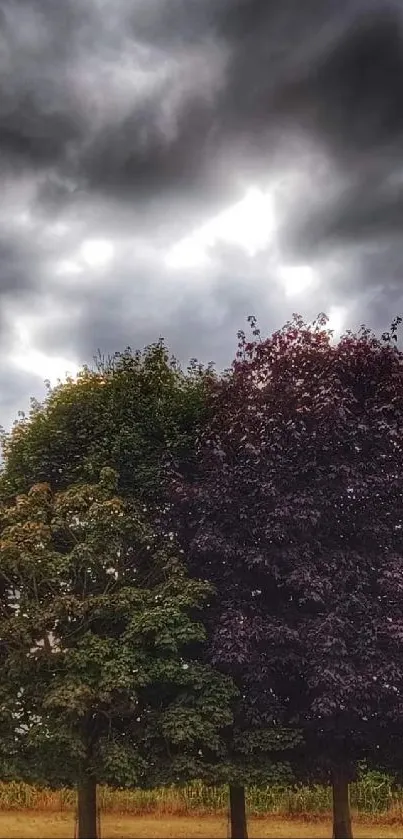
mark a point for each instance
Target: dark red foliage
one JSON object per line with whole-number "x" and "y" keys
{"x": 295, "y": 514}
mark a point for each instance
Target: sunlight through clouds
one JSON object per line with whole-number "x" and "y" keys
{"x": 337, "y": 320}
{"x": 249, "y": 225}
{"x": 45, "y": 366}
{"x": 92, "y": 253}
{"x": 97, "y": 253}
{"x": 40, "y": 364}
{"x": 297, "y": 278}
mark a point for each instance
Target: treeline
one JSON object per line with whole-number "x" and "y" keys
{"x": 202, "y": 573}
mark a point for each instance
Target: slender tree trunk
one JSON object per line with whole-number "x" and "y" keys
{"x": 239, "y": 828}
{"x": 341, "y": 807}
{"x": 87, "y": 807}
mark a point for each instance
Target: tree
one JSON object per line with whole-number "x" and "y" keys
{"x": 127, "y": 413}
{"x": 102, "y": 650}
{"x": 131, "y": 412}
{"x": 294, "y": 514}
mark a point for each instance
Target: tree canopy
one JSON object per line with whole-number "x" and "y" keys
{"x": 102, "y": 646}
{"x": 294, "y": 513}
{"x": 280, "y": 483}
{"x": 126, "y": 413}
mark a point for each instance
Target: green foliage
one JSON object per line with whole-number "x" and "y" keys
{"x": 133, "y": 412}
{"x": 271, "y": 739}
{"x": 102, "y": 648}
{"x": 129, "y": 413}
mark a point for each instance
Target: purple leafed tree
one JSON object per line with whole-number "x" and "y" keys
{"x": 295, "y": 514}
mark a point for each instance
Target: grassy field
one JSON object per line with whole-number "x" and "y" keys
{"x": 373, "y": 796}
{"x": 199, "y": 811}
{"x": 34, "y": 825}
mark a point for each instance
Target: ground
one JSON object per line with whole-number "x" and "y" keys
{"x": 33, "y": 825}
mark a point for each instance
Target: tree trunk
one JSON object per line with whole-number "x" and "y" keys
{"x": 238, "y": 812}
{"x": 341, "y": 807}
{"x": 87, "y": 807}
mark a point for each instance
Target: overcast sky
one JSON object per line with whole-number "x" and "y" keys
{"x": 170, "y": 166}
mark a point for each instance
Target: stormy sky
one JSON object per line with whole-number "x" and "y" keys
{"x": 170, "y": 166}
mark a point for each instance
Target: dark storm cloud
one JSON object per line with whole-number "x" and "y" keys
{"x": 138, "y": 121}
{"x": 352, "y": 93}
{"x": 40, "y": 114}
{"x": 13, "y": 260}
{"x": 363, "y": 211}
{"x": 331, "y": 67}
{"x": 21, "y": 277}
{"x": 353, "y": 101}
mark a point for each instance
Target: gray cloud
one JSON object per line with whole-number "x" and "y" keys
{"x": 137, "y": 122}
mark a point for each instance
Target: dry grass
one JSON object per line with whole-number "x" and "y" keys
{"x": 34, "y": 825}
{"x": 373, "y": 795}
{"x": 196, "y": 811}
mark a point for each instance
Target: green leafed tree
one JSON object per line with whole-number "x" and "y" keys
{"x": 101, "y": 646}
{"x": 127, "y": 413}
{"x": 135, "y": 412}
